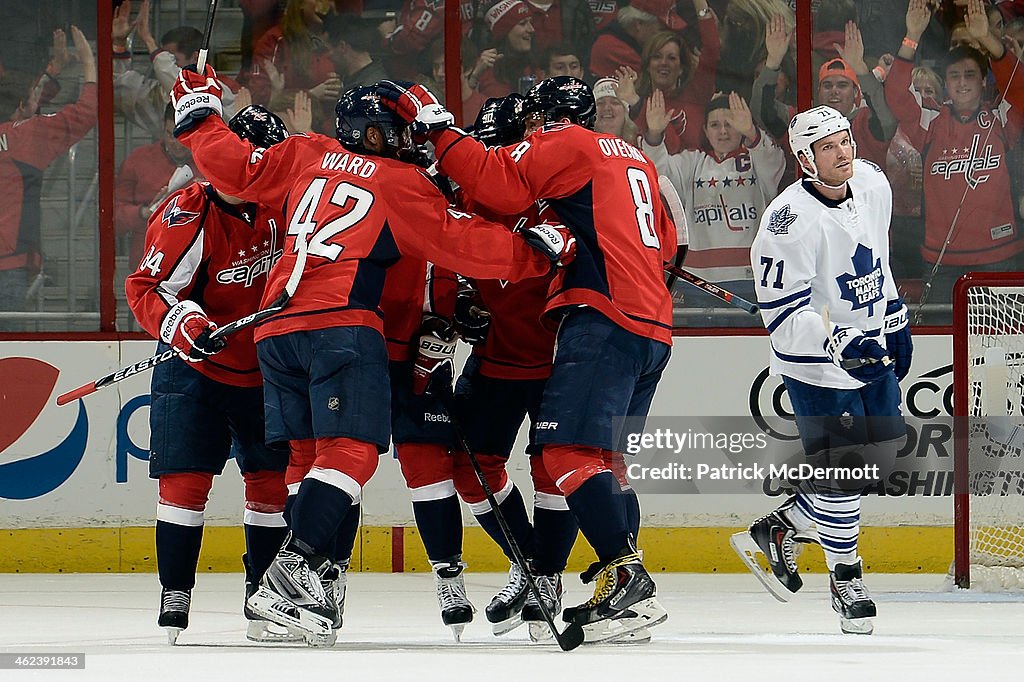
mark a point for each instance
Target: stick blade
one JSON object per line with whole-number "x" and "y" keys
{"x": 571, "y": 637}
{"x": 80, "y": 392}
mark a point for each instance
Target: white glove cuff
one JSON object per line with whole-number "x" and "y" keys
{"x": 895, "y": 321}
{"x": 175, "y": 316}
{"x": 841, "y": 338}
{"x": 186, "y": 104}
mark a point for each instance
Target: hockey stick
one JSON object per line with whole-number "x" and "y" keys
{"x": 714, "y": 290}
{"x": 205, "y": 48}
{"x": 573, "y": 635}
{"x": 220, "y": 332}
{"x": 848, "y": 363}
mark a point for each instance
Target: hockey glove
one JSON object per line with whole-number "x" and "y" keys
{"x": 187, "y": 329}
{"x": 414, "y": 104}
{"x": 554, "y": 241}
{"x": 471, "y": 320}
{"x": 434, "y": 367}
{"x": 862, "y": 358}
{"x": 897, "y": 337}
{"x": 195, "y": 96}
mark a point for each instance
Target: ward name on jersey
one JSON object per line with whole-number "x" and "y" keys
{"x": 812, "y": 252}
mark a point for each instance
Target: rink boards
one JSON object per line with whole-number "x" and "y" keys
{"x": 75, "y": 493}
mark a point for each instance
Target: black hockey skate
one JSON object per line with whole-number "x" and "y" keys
{"x": 623, "y": 602}
{"x": 291, "y": 594}
{"x": 851, "y": 600}
{"x": 456, "y": 609}
{"x": 775, "y": 537}
{"x": 504, "y": 611}
{"x": 335, "y": 583}
{"x": 550, "y": 588}
{"x": 259, "y": 629}
{"x": 174, "y": 605}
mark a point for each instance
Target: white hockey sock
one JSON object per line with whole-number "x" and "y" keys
{"x": 838, "y": 521}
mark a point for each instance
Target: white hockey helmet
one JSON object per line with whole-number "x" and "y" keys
{"x": 807, "y": 127}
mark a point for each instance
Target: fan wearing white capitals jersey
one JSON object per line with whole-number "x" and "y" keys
{"x": 823, "y": 244}
{"x": 724, "y": 188}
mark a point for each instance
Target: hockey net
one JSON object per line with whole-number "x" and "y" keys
{"x": 988, "y": 358}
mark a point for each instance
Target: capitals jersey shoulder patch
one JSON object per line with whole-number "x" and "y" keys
{"x": 780, "y": 220}
{"x": 176, "y": 217}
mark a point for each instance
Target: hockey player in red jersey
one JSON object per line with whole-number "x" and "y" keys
{"x": 501, "y": 384}
{"x": 206, "y": 262}
{"x": 614, "y": 310}
{"x": 352, "y": 208}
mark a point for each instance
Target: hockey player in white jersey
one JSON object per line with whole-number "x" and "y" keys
{"x": 840, "y": 341}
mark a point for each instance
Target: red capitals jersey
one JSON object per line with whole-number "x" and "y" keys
{"x": 356, "y": 214}
{"x": 965, "y": 171}
{"x": 603, "y": 189}
{"x": 518, "y": 346}
{"x": 26, "y": 148}
{"x": 201, "y": 248}
{"x": 412, "y": 288}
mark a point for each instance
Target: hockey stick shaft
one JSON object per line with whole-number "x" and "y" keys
{"x": 205, "y": 48}
{"x": 572, "y": 636}
{"x": 225, "y": 330}
{"x": 716, "y": 291}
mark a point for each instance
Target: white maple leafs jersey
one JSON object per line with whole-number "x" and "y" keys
{"x": 812, "y": 252}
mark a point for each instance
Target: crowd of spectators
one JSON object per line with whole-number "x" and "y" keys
{"x": 705, "y": 87}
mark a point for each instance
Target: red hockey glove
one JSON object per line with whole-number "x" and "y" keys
{"x": 434, "y": 367}
{"x": 187, "y": 329}
{"x": 414, "y": 104}
{"x": 195, "y": 97}
{"x": 554, "y": 241}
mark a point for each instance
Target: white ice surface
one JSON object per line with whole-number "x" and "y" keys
{"x": 721, "y": 627}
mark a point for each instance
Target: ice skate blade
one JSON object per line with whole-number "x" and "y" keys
{"x": 540, "y": 633}
{"x": 172, "y": 635}
{"x": 457, "y": 630}
{"x": 747, "y": 550}
{"x": 266, "y": 631}
{"x": 616, "y": 630}
{"x": 321, "y": 641}
{"x": 506, "y": 626}
{"x": 856, "y": 626}
{"x": 269, "y": 606}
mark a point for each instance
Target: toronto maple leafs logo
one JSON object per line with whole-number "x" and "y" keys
{"x": 863, "y": 289}
{"x": 174, "y": 216}
{"x": 780, "y": 220}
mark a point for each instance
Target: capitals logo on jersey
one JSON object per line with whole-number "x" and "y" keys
{"x": 176, "y": 217}
{"x": 863, "y": 288}
{"x": 780, "y": 220}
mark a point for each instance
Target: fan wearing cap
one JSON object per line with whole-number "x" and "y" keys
{"x": 613, "y": 112}
{"x": 512, "y": 33}
{"x": 844, "y": 83}
{"x": 725, "y": 187}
